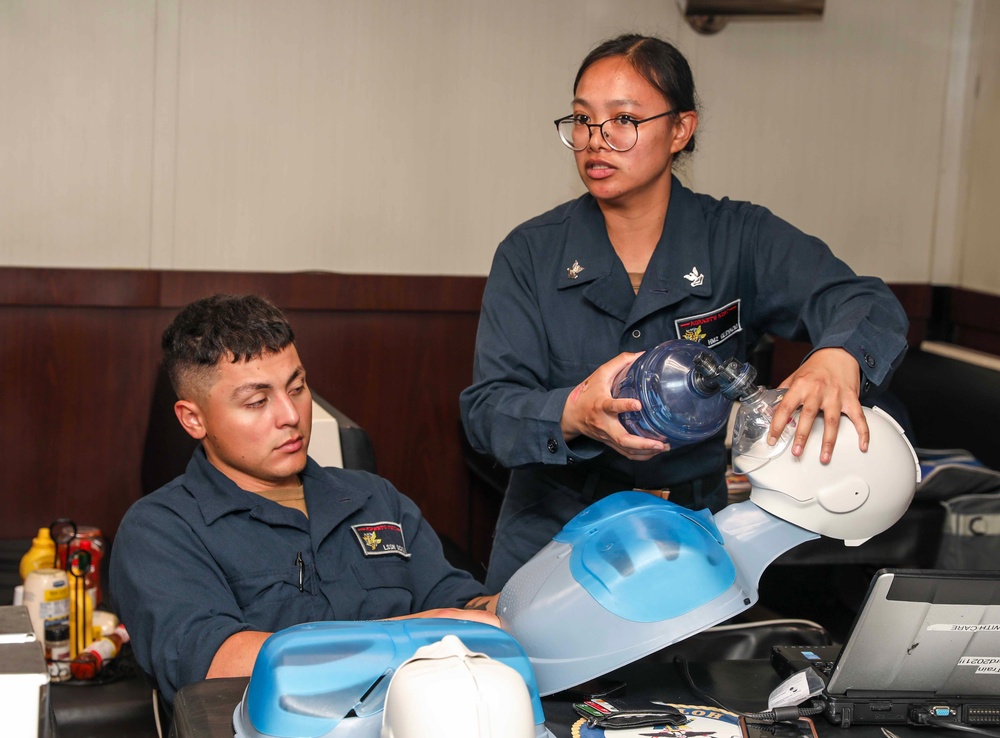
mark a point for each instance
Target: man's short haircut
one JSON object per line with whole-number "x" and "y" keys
{"x": 221, "y": 327}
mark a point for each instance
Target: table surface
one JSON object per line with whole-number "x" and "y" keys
{"x": 205, "y": 709}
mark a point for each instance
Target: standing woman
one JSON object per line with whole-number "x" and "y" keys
{"x": 577, "y": 293}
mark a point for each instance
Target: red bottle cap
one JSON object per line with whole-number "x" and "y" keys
{"x": 86, "y": 666}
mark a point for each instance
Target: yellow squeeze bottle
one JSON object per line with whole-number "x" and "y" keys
{"x": 41, "y": 555}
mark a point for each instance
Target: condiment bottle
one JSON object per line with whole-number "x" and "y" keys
{"x": 57, "y": 651}
{"x": 91, "y": 660}
{"x": 89, "y": 539}
{"x": 41, "y": 555}
{"x": 46, "y": 595}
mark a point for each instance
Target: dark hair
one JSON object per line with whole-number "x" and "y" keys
{"x": 659, "y": 63}
{"x": 231, "y": 327}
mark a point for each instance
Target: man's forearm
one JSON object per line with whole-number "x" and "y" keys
{"x": 237, "y": 654}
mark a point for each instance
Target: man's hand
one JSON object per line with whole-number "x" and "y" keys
{"x": 591, "y": 411}
{"x": 828, "y": 381}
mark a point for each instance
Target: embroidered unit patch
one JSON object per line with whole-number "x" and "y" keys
{"x": 711, "y": 328}
{"x": 378, "y": 539}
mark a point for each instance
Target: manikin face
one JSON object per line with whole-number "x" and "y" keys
{"x": 610, "y": 88}
{"x": 254, "y": 421}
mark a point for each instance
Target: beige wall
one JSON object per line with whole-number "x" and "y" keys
{"x": 388, "y": 136}
{"x": 980, "y": 217}
{"x": 835, "y": 125}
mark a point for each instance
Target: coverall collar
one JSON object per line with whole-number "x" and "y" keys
{"x": 680, "y": 265}
{"x": 218, "y": 496}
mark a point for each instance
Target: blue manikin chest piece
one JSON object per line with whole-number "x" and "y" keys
{"x": 632, "y": 574}
{"x": 627, "y": 541}
{"x": 329, "y": 679}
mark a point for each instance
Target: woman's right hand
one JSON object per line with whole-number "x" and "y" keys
{"x": 591, "y": 411}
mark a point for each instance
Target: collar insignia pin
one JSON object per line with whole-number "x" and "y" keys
{"x": 574, "y": 271}
{"x": 695, "y": 277}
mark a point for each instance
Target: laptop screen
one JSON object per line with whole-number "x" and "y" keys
{"x": 926, "y": 631}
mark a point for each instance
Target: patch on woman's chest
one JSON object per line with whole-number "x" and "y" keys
{"x": 379, "y": 539}
{"x": 711, "y": 328}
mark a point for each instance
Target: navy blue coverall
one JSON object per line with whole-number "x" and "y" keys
{"x": 558, "y": 304}
{"x": 201, "y": 559}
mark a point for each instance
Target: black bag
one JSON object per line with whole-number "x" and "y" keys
{"x": 971, "y": 535}
{"x": 970, "y": 495}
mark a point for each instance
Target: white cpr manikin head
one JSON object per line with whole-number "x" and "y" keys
{"x": 447, "y": 691}
{"x": 854, "y": 497}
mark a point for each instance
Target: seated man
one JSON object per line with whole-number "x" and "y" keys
{"x": 255, "y": 536}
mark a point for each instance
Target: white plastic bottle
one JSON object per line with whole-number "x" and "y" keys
{"x": 46, "y": 595}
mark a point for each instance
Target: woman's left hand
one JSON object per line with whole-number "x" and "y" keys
{"x": 828, "y": 381}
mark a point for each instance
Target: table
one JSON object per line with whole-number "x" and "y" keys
{"x": 123, "y": 707}
{"x": 205, "y": 709}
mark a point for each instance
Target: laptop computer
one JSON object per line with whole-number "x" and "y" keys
{"x": 924, "y": 648}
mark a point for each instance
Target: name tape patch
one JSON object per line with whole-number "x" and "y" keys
{"x": 379, "y": 539}
{"x": 711, "y": 328}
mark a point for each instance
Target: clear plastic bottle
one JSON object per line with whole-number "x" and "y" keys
{"x": 751, "y": 428}
{"x": 752, "y": 424}
{"x": 680, "y": 403}
{"x": 89, "y": 662}
{"x": 41, "y": 555}
{"x": 686, "y": 392}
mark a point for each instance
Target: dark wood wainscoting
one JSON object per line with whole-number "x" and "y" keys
{"x": 80, "y": 357}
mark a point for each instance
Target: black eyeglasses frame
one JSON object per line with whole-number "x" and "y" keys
{"x": 592, "y": 126}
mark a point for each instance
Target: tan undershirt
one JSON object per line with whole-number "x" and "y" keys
{"x": 636, "y": 279}
{"x": 293, "y": 497}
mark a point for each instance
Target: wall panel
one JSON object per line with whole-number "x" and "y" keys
{"x": 80, "y": 352}
{"x": 980, "y": 250}
{"x": 835, "y": 125}
{"x": 75, "y": 408}
{"x": 76, "y": 128}
{"x": 401, "y": 138}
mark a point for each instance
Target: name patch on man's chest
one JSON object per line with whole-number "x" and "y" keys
{"x": 711, "y": 328}
{"x": 379, "y": 539}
